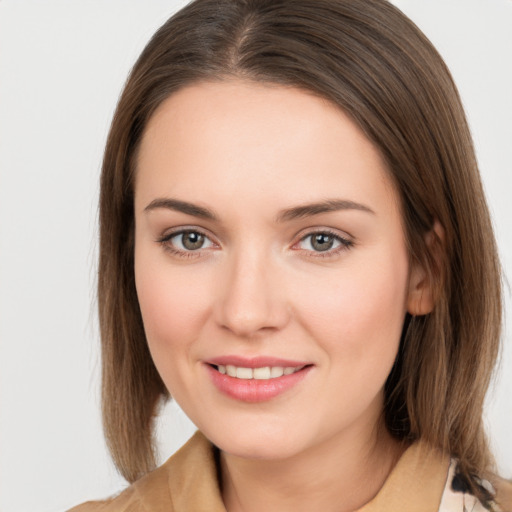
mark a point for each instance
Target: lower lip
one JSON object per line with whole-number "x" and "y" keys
{"x": 255, "y": 390}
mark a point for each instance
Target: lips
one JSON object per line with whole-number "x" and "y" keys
{"x": 256, "y": 379}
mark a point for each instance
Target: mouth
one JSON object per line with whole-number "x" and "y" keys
{"x": 256, "y": 380}
{"x": 259, "y": 373}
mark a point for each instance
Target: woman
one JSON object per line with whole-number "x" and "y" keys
{"x": 295, "y": 246}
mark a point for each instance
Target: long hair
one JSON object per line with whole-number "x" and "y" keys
{"x": 372, "y": 62}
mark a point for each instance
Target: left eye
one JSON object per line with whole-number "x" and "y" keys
{"x": 189, "y": 241}
{"x": 322, "y": 242}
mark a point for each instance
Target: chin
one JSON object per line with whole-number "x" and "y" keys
{"x": 258, "y": 442}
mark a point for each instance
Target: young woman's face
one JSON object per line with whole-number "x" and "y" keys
{"x": 270, "y": 264}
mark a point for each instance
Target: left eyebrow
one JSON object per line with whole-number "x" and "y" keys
{"x": 330, "y": 205}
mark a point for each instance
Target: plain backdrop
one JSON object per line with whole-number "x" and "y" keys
{"x": 62, "y": 66}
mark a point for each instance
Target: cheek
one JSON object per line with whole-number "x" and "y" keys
{"x": 173, "y": 308}
{"x": 359, "y": 317}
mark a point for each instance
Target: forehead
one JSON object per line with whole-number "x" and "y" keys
{"x": 221, "y": 138}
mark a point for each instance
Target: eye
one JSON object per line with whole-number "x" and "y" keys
{"x": 190, "y": 241}
{"x": 185, "y": 242}
{"x": 323, "y": 242}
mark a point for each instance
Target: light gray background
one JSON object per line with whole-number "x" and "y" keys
{"x": 62, "y": 66}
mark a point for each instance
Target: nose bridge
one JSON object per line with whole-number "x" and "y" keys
{"x": 251, "y": 300}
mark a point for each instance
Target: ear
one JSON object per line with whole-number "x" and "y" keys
{"x": 422, "y": 292}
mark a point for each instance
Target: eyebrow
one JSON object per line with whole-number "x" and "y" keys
{"x": 181, "y": 206}
{"x": 329, "y": 205}
{"x": 296, "y": 212}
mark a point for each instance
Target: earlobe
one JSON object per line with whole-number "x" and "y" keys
{"x": 424, "y": 284}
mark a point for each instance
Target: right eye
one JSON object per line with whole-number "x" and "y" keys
{"x": 185, "y": 242}
{"x": 190, "y": 241}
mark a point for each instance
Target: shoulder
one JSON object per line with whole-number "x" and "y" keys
{"x": 503, "y": 494}
{"x": 133, "y": 498}
{"x": 124, "y": 502}
{"x": 187, "y": 481}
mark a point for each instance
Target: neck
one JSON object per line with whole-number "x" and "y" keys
{"x": 340, "y": 474}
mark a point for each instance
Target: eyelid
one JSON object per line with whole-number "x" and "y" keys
{"x": 168, "y": 234}
{"x": 344, "y": 235}
{"x": 165, "y": 238}
{"x": 346, "y": 241}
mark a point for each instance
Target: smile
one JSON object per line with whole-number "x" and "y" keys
{"x": 258, "y": 379}
{"x": 262, "y": 373}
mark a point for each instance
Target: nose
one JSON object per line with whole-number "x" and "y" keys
{"x": 252, "y": 298}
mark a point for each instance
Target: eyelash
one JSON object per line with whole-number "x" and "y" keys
{"x": 344, "y": 243}
{"x": 166, "y": 239}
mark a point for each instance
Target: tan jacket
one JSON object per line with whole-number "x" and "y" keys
{"x": 187, "y": 482}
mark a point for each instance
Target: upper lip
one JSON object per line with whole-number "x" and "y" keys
{"x": 255, "y": 362}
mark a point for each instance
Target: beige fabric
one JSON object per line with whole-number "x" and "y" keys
{"x": 504, "y": 495}
{"x": 187, "y": 482}
{"x": 416, "y": 483}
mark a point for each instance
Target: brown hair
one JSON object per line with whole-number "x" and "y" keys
{"x": 366, "y": 57}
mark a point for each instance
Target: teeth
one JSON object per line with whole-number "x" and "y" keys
{"x": 263, "y": 373}
{"x": 277, "y": 371}
{"x": 244, "y": 373}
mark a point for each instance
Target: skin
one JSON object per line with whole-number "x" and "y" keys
{"x": 247, "y": 152}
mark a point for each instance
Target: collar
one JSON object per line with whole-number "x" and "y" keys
{"x": 416, "y": 483}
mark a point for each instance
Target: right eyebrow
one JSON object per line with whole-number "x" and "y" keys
{"x": 181, "y": 206}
